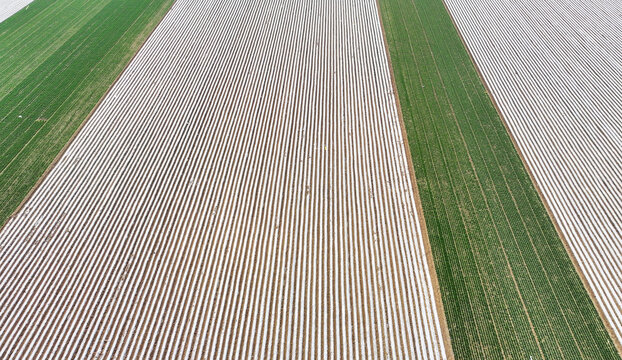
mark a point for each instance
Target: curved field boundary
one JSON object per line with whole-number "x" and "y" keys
{"x": 241, "y": 192}
{"x": 509, "y": 287}
{"x": 10, "y": 7}
{"x": 555, "y": 74}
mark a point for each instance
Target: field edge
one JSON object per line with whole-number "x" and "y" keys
{"x": 575, "y": 263}
{"x": 438, "y": 299}
{"x": 58, "y": 156}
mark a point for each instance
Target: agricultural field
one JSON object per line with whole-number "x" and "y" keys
{"x": 242, "y": 191}
{"x": 571, "y": 137}
{"x": 10, "y": 7}
{"x": 49, "y": 84}
{"x": 509, "y": 287}
{"x": 357, "y": 179}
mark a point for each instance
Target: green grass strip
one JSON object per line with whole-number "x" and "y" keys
{"x": 509, "y": 288}
{"x": 57, "y": 59}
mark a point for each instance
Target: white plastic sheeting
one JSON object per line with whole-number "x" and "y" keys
{"x": 555, "y": 71}
{"x": 241, "y": 192}
{"x": 10, "y": 7}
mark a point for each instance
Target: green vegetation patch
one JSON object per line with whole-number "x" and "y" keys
{"x": 57, "y": 59}
{"x": 509, "y": 288}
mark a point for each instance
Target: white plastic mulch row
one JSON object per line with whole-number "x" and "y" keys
{"x": 241, "y": 192}
{"x": 555, "y": 70}
{"x": 10, "y": 7}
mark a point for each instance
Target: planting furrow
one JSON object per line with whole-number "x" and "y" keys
{"x": 555, "y": 76}
{"x": 242, "y": 191}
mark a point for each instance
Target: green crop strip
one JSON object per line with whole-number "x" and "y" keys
{"x": 57, "y": 59}
{"x": 508, "y": 285}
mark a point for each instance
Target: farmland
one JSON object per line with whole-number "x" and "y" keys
{"x": 10, "y": 7}
{"x": 572, "y": 137}
{"x": 49, "y": 84}
{"x": 242, "y": 191}
{"x": 509, "y": 287}
{"x": 357, "y": 179}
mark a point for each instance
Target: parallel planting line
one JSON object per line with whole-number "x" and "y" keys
{"x": 50, "y": 84}
{"x": 509, "y": 287}
{"x": 556, "y": 75}
{"x": 241, "y": 192}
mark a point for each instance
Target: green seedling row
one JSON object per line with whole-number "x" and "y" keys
{"x": 57, "y": 59}
{"x": 509, "y": 288}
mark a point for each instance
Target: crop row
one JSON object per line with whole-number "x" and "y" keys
{"x": 49, "y": 84}
{"x": 555, "y": 75}
{"x": 241, "y": 192}
{"x": 508, "y": 285}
